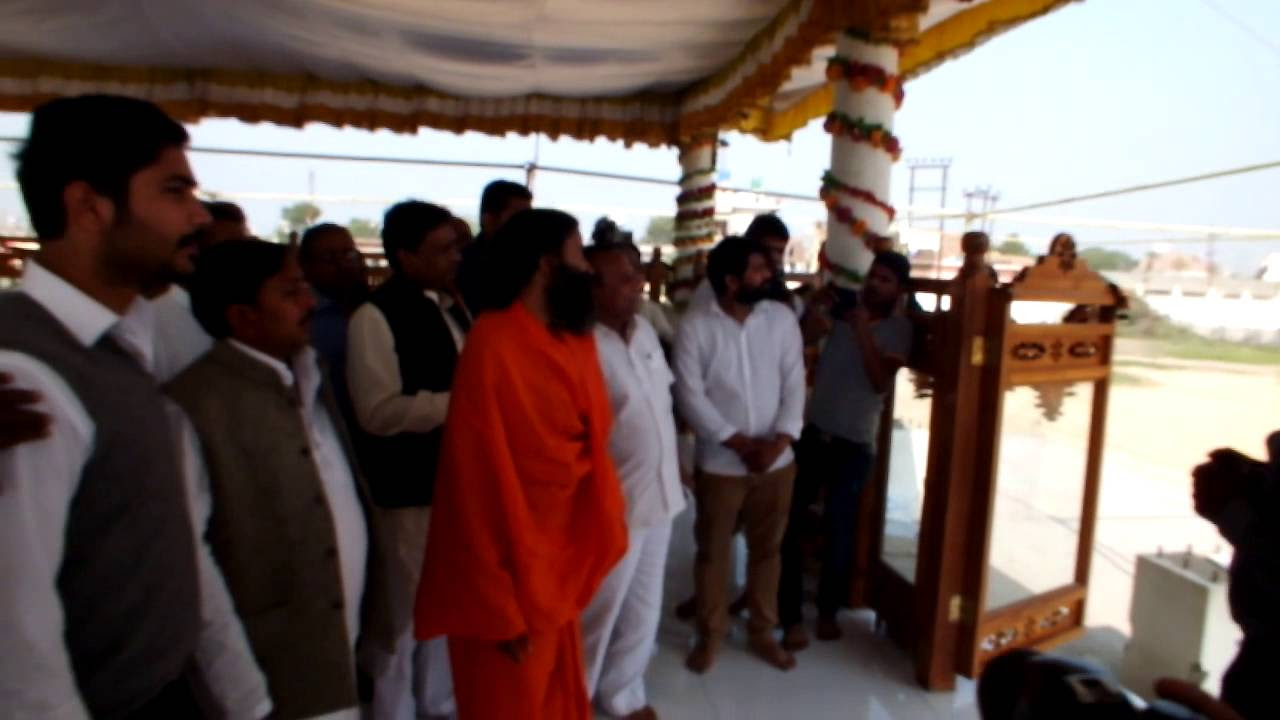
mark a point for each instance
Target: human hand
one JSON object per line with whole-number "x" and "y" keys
{"x": 517, "y": 649}
{"x": 1223, "y": 479}
{"x": 769, "y": 451}
{"x": 1195, "y": 699}
{"x": 20, "y": 422}
{"x": 744, "y": 446}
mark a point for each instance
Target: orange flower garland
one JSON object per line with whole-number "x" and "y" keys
{"x": 702, "y": 194}
{"x": 861, "y": 76}
{"x": 832, "y": 184}
{"x": 845, "y": 216}
{"x": 860, "y": 130}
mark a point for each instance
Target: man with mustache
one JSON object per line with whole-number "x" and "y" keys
{"x": 288, "y": 520}
{"x": 528, "y": 511}
{"x": 110, "y": 600}
{"x": 740, "y": 385}
{"x": 402, "y": 348}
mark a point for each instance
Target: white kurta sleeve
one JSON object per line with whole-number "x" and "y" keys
{"x": 691, "y": 390}
{"x": 373, "y": 379}
{"x": 37, "y": 483}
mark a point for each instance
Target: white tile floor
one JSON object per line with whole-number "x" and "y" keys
{"x": 862, "y": 677}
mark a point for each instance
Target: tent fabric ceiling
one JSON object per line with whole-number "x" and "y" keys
{"x": 649, "y": 71}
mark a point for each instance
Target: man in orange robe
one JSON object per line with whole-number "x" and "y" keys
{"x": 529, "y": 515}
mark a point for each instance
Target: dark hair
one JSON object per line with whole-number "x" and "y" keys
{"x": 499, "y": 194}
{"x": 103, "y": 140}
{"x": 600, "y": 250}
{"x": 221, "y": 210}
{"x": 730, "y": 259}
{"x": 519, "y": 247}
{"x": 307, "y": 244}
{"x": 407, "y": 224}
{"x": 232, "y": 273}
{"x": 765, "y": 226}
{"x": 896, "y": 263}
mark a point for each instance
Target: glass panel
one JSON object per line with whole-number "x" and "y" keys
{"x": 1039, "y": 489}
{"x": 1036, "y": 312}
{"x": 908, "y": 459}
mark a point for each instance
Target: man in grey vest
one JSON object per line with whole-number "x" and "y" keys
{"x": 288, "y": 519}
{"x": 108, "y": 597}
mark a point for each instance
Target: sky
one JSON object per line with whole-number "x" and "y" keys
{"x": 1100, "y": 94}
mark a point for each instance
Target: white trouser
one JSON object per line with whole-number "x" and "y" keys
{"x": 620, "y": 627}
{"x": 416, "y": 679}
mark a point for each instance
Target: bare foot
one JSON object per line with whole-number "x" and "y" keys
{"x": 701, "y": 659}
{"x": 769, "y": 651}
{"x": 795, "y": 638}
{"x": 645, "y": 713}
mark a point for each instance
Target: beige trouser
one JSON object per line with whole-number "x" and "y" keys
{"x": 763, "y": 503}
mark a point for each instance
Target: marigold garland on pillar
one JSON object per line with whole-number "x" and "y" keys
{"x": 868, "y": 92}
{"x": 695, "y": 205}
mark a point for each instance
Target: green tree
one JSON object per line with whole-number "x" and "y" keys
{"x": 1014, "y": 246}
{"x": 661, "y": 230}
{"x": 1104, "y": 259}
{"x": 300, "y": 216}
{"x": 364, "y": 228}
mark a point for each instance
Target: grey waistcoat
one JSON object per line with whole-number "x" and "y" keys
{"x": 128, "y": 577}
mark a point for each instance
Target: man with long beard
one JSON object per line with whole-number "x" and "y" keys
{"x": 528, "y": 513}
{"x": 740, "y": 385}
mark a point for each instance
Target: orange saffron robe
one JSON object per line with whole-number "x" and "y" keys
{"x": 528, "y": 517}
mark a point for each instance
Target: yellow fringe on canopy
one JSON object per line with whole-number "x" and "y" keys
{"x": 189, "y": 95}
{"x": 947, "y": 40}
{"x": 649, "y": 118}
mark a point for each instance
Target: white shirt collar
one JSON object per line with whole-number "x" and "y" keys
{"x": 444, "y": 301}
{"x": 304, "y": 365}
{"x": 87, "y": 319}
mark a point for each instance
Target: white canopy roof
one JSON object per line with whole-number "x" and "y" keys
{"x": 646, "y": 70}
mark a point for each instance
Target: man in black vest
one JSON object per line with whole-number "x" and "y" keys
{"x": 401, "y": 351}
{"x": 109, "y": 598}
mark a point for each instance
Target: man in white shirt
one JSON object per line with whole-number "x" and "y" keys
{"x": 109, "y": 598}
{"x": 740, "y": 384}
{"x": 402, "y": 348}
{"x": 288, "y": 521}
{"x": 620, "y": 626}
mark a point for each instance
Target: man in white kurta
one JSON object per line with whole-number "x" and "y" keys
{"x": 620, "y": 626}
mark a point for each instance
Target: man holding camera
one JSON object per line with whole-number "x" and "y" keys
{"x": 867, "y": 339}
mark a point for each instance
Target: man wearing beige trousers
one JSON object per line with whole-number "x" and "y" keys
{"x": 740, "y": 384}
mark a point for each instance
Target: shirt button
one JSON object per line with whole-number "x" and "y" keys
{"x": 306, "y": 451}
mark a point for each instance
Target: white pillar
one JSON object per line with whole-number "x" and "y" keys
{"x": 696, "y": 204}
{"x": 868, "y": 92}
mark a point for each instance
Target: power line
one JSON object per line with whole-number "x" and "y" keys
{"x": 1109, "y": 193}
{"x": 1146, "y": 186}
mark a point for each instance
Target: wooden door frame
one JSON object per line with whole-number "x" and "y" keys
{"x": 1027, "y": 355}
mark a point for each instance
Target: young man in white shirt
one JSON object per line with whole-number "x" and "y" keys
{"x": 288, "y": 517}
{"x": 740, "y": 384}
{"x": 619, "y": 628}
{"x": 110, "y": 599}
{"x": 402, "y": 349}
